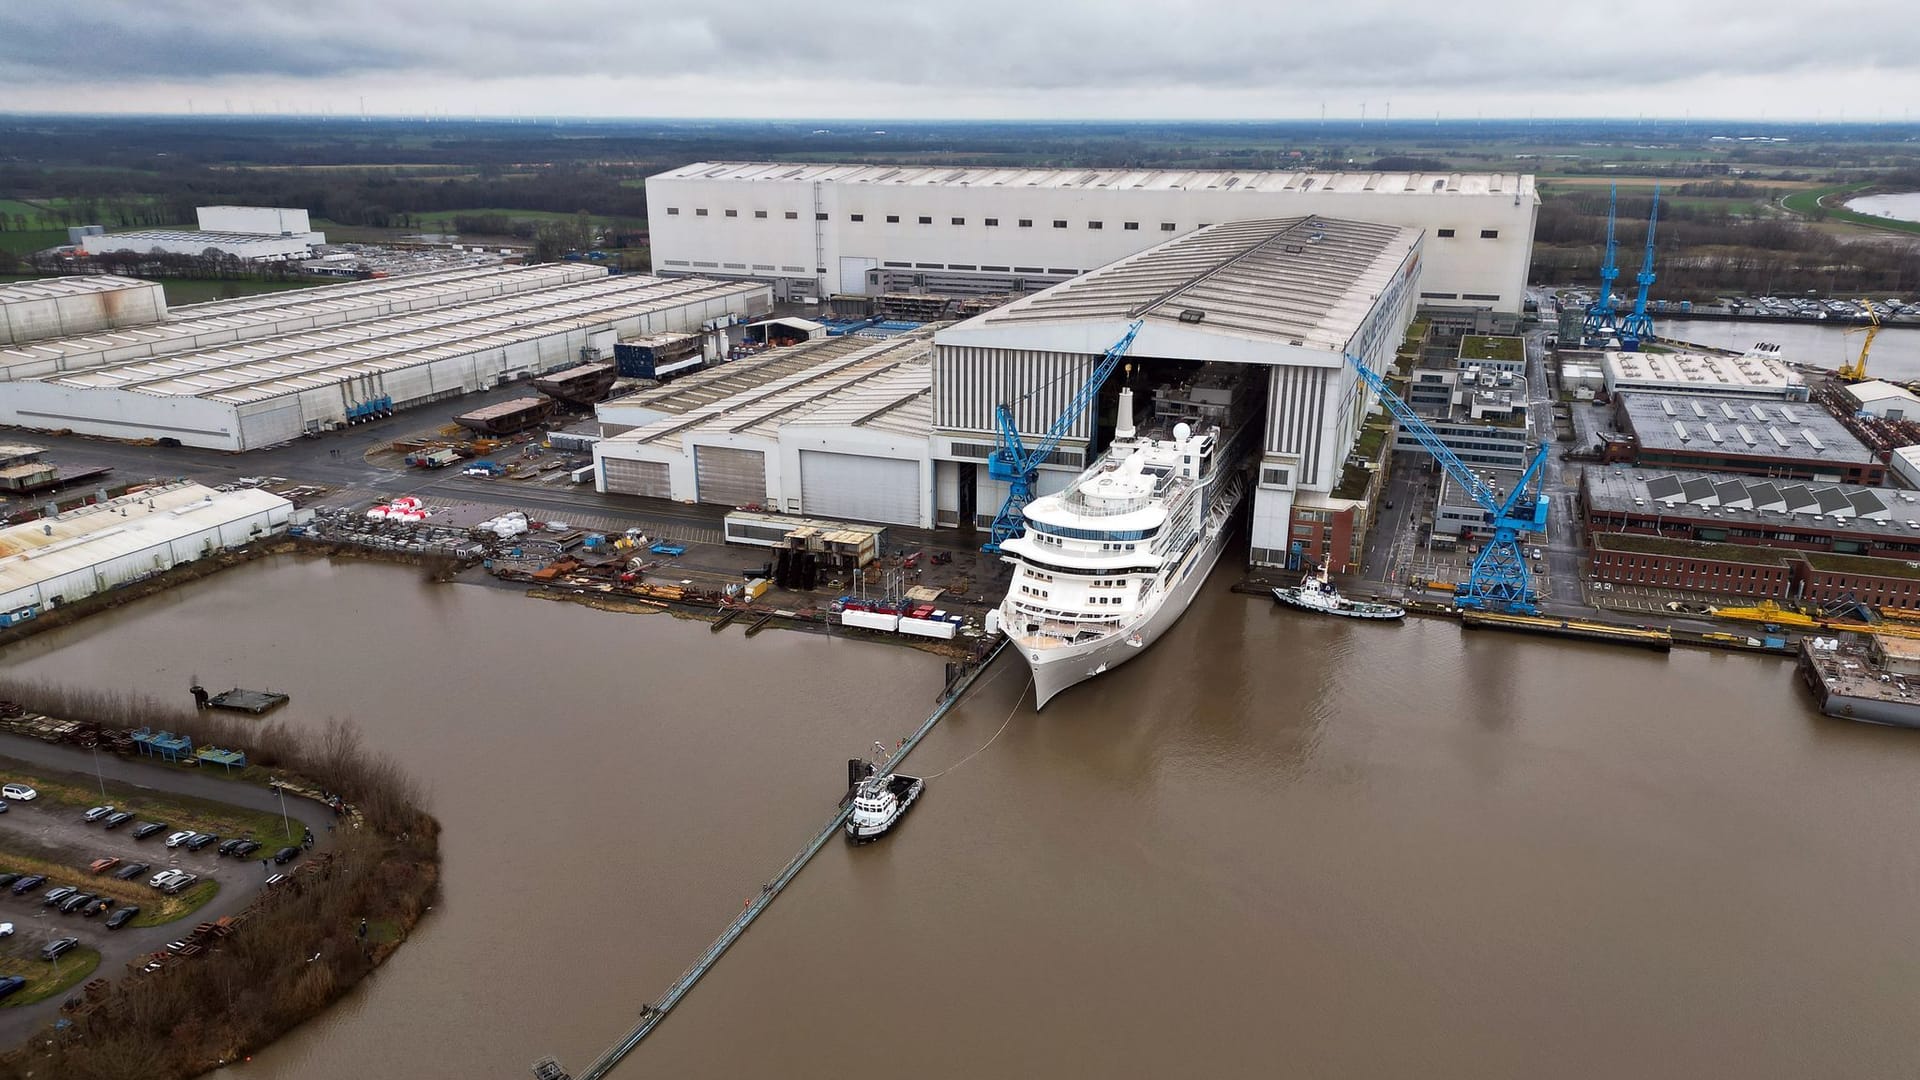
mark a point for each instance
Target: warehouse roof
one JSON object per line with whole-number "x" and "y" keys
{"x": 1755, "y": 370}
{"x": 271, "y": 367}
{"x": 1868, "y": 393}
{"x": 269, "y": 313}
{"x": 211, "y": 239}
{"x": 1744, "y": 500}
{"x": 1505, "y": 185}
{"x": 886, "y": 385}
{"x": 40, "y": 550}
{"x": 14, "y": 292}
{"x": 1740, "y": 427}
{"x": 1300, "y": 280}
{"x": 723, "y": 381}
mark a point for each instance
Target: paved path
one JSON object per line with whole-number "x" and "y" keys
{"x": 240, "y": 880}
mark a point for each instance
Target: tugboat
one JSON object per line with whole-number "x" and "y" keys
{"x": 880, "y": 799}
{"x": 1316, "y": 593}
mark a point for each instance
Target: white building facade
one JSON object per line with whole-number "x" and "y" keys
{"x": 816, "y": 230}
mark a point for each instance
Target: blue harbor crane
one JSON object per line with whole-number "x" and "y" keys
{"x": 1638, "y": 324}
{"x": 1601, "y": 322}
{"x": 1499, "y": 580}
{"x": 1013, "y": 463}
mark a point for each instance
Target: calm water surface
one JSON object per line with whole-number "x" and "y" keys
{"x": 1904, "y": 205}
{"x": 1895, "y": 354}
{"x": 1270, "y": 846}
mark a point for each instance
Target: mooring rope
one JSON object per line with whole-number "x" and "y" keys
{"x": 996, "y": 735}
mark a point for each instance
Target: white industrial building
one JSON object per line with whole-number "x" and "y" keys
{"x": 269, "y": 390}
{"x": 56, "y": 307}
{"x": 1885, "y": 400}
{"x": 1906, "y": 465}
{"x": 1758, "y": 373}
{"x": 58, "y": 560}
{"x": 816, "y": 230}
{"x": 836, "y": 428}
{"x": 253, "y": 233}
{"x": 224, "y": 322}
{"x": 260, "y": 220}
{"x": 1289, "y": 298}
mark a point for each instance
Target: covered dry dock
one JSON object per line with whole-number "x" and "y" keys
{"x": 259, "y": 393}
{"x": 59, "y": 560}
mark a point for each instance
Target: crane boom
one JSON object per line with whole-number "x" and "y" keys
{"x": 1638, "y": 324}
{"x": 1015, "y": 465}
{"x": 1499, "y": 577}
{"x": 1600, "y": 320}
{"x": 1856, "y": 370}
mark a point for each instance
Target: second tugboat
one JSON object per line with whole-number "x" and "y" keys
{"x": 1316, "y": 593}
{"x": 880, "y": 799}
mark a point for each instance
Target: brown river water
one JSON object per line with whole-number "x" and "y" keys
{"x": 1270, "y": 846}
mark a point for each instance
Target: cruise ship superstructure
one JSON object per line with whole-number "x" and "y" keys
{"x": 1109, "y": 564}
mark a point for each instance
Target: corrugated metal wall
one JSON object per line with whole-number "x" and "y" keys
{"x": 624, "y": 476}
{"x": 729, "y": 476}
{"x": 1296, "y": 414}
{"x": 970, "y": 382}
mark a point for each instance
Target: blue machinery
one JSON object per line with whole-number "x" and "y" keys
{"x": 1600, "y": 322}
{"x": 1014, "y": 464}
{"x": 1498, "y": 580}
{"x": 1637, "y": 324}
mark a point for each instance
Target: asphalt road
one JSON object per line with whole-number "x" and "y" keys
{"x": 34, "y": 823}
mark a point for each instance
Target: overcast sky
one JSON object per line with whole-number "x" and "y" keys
{"x": 1017, "y": 59}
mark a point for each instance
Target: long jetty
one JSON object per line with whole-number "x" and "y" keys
{"x": 652, "y": 1014}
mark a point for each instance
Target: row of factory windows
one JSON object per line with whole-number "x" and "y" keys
{"x": 1736, "y": 571}
{"x": 927, "y": 219}
{"x": 1025, "y": 223}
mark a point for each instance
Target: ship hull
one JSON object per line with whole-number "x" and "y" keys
{"x": 1058, "y": 668}
{"x": 1291, "y": 600}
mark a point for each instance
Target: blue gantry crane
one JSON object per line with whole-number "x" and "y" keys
{"x": 1499, "y": 580}
{"x": 1015, "y": 465}
{"x": 1638, "y": 324}
{"x": 1601, "y": 321}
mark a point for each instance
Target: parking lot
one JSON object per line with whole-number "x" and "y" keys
{"x": 49, "y": 836}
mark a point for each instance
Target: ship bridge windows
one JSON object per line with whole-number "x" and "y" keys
{"x": 1072, "y": 533}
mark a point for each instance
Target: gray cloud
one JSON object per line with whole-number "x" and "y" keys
{"x": 1113, "y": 57}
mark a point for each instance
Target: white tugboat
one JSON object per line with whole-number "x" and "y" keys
{"x": 1316, "y": 593}
{"x": 1108, "y": 565}
{"x": 879, "y": 799}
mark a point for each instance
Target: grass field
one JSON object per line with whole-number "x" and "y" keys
{"x": 1828, "y": 199}
{"x": 46, "y": 978}
{"x": 11, "y": 207}
{"x": 182, "y": 291}
{"x": 442, "y": 217}
{"x": 25, "y": 243}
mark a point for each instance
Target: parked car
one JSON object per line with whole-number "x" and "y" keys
{"x": 29, "y": 883}
{"x": 121, "y": 917}
{"x": 227, "y": 847}
{"x": 285, "y": 855}
{"x": 160, "y": 879}
{"x": 6, "y": 929}
{"x": 101, "y": 866}
{"x": 246, "y": 848}
{"x": 7, "y": 880}
{"x": 179, "y": 883}
{"x": 130, "y": 871}
{"x": 11, "y": 983}
{"x": 97, "y": 813}
{"x": 180, "y": 838}
{"x": 75, "y": 902}
{"x": 148, "y": 828}
{"x": 18, "y": 791}
{"x": 116, "y": 820}
{"x": 3, "y": 807}
{"x": 99, "y": 904}
{"x": 58, "y": 946}
{"x": 202, "y": 841}
{"x": 57, "y": 894}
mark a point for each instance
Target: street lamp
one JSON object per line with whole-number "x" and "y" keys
{"x": 96, "y": 771}
{"x": 283, "y": 805}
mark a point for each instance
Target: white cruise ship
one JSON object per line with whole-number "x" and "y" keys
{"x": 1106, "y": 566}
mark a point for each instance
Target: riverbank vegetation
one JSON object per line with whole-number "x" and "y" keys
{"x": 301, "y": 945}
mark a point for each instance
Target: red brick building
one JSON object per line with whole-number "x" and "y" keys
{"x": 1802, "y": 577}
